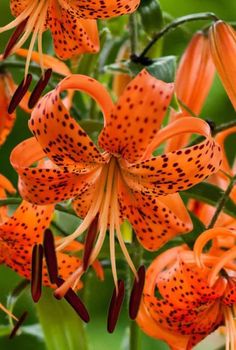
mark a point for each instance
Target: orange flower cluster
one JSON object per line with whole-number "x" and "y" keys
{"x": 121, "y": 177}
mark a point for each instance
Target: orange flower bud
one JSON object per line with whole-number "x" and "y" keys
{"x": 223, "y": 49}
{"x": 195, "y": 73}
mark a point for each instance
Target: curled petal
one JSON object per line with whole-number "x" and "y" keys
{"x": 48, "y": 61}
{"x": 61, "y": 138}
{"x": 143, "y": 104}
{"x": 220, "y": 139}
{"x": 223, "y": 49}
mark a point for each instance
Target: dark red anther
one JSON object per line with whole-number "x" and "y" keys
{"x": 18, "y": 324}
{"x": 15, "y": 36}
{"x": 40, "y": 86}
{"x": 19, "y": 93}
{"x": 136, "y": 293}
{"x": 90, "y": 238}
{"x": 73, "y": 299}
{"x": 50, "y": 255}
{"x": 115, "y": 306}
{"x": 36, "y": 272}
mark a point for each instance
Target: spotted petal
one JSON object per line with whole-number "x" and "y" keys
{"x": 155, "y": 221}
{"x": 60, "y": 136}
{"x": 46, "y": 184}
{"x": 71, "y": 34}
{"x": 137, "y": 117}
{"x": 177, "y": 170}
{"x": 101, "y": 9}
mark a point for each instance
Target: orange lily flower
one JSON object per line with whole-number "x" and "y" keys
{"x": 19, "y": 233}
{"x": 223, "y": 49}
{"x": 193, "y": 81}
{"x": 124, "y": 182}
{"x": 196, "y": 294}
{"x": 72, "y": 24}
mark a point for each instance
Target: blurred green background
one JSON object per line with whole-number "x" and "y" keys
{"x": 95, "y": 293}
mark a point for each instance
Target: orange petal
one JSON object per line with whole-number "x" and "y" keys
{"x": 7, "y": 120}
{"x": 174, "y": 171}
{"x": 71, "y": 34}
{"x": 195, "y": 73}
{"x": 143, "y": 104}
{"x": 48, "y": 61}
{"x": 44, "y": 184}
{"x": 106, "y": 9}
{"x": 50, "y": 120}
{"x": 220, "y": 139}
{"x": 17, "y": 7}
{"x": 223, "y": 49}
{"x": 154, "y": 222}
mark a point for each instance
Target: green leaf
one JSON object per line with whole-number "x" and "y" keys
{"x": 198, "y": 228}
{"x": 211, "y": 194}
{"x": 162, "y": 68}
{"x": 151, "y": 16}
{"x": 62, "y": 327}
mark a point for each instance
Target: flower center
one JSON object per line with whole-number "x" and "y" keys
{"x": 105, "y": 206}
{"x": 31, "y": 20}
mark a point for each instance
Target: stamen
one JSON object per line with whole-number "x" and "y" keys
{"x": 25, "y": 14}
{"x": 112, "y": 247}
{"x": 66, "y": 285}
{"x": 136, "y": 293}
{"x": 3, "y": 308}
{"x": 230, "y": 329}
{"x": 40, "y": 86}
{"x": 93, "y": 211}
{"x": 77, "y": 304}
{"x": 18, "y": 324}
{"x": 36, "y": 272}
{"x": 19, "y": 93}
{"x": 115, "y": 306}
{"x": 90, "y": 238}
{"x": 15, "y": 36}
{"x": 223, "y": 259}
{"x": 50, "y": 255}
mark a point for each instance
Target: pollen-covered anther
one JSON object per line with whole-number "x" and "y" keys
{"x": 136, "y": 293}
{"x": 18, "y": 324}
{"x": 50, "y": 255}
{"x": 90, "y": 238}
{"x": 15, "y": 36}
{"x": 115, "y": 306}
{"x": 40, "y": 86}
{"x": 36, "y": 272}
{"x": 19, "y": 93}
{"x": 73, "y": 299}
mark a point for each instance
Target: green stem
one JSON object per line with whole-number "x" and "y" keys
{"x": 133, "y": 27}
{"x": 221, "y": 203}
{"x": 135, "y": 335}
{"x": 13, "y": 201}
{"x": 177, "y": 22}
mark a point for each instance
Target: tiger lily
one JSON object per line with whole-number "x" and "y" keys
{"x": 25, "y": 228}
{"x": 222, "y": 39}
{"x": 124, "y": 182}
{"x": 72, "y": 24}
{"x": 193, "y": 81}
{"x": 188, "y": 294}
